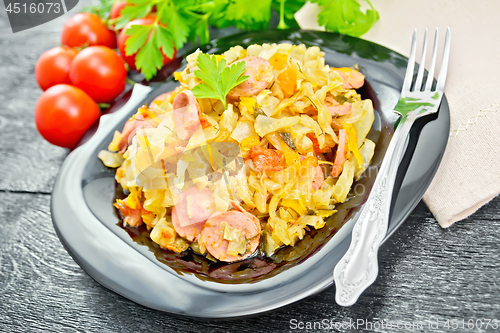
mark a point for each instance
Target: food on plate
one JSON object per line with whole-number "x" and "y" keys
{"x": 64, "y": 113}
{"x": 251, "y": 152}
{"x": 87, "y": 29}
{"x": 53, "y": 66}
{"x": 100, "y": 72}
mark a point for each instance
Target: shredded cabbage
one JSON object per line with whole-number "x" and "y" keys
{"x": 285, "y": 122}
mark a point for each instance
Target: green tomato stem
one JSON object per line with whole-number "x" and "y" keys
{"x": 130, "y": 81}
{"x": 282, "y": 24}
{"x": 103, "y": 106}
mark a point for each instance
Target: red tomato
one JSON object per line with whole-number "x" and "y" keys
{"x": 64, "y": 113}
{"x": 100, "y": 72}
{"x": 53, "y": 66}
{"x": 87, "y": 29}
{"x": 116, "y": 9}
{"x": 122, "y": 38}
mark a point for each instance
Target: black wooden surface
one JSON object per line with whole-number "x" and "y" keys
{"x": 426, "y": 273}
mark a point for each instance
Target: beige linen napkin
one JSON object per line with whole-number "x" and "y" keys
{"x": 469, "y": 175}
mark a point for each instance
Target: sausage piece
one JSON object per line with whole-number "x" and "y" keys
{"x": 190, "y": 232}
{"x": 318, "y": 178}
{"x": 130, "y": 130}
{"x": 266, "y": 159}
{"x": 245, "y": 223}
{"x": 352, "y": 78}
{"x": 260, "y": 75}
{"x": 193, "y": 209}
{"x": 186, "y": 114}
{"x": 335, "y": 108}
{"x": 340, "y": 157}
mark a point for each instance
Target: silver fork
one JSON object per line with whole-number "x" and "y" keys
{"x": 358, "y": 269}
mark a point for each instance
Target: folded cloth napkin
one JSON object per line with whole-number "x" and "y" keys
{"x": 469, "y": 174}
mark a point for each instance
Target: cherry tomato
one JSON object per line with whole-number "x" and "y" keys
{"x": 100, "y": 72}
{"x": 64, "y": 113}
{"x": 53, "y": 66}
{"x": 87, "y": 29}
{"x": 116, "y": 9}
{"x": 122, "y": 38}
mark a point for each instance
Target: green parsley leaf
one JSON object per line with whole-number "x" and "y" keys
{"x": 149, "y": 59}
{"x": 346, "y": 16}
{"x": 244, "y": 14}
{"x": 199, "y": 24}
{"x": 138, "y": 36}
{"x": 139, "y": 9}
{"x": 101, "y": 9}
{"x": 217, "y": 79}
{"x": 164, "y": 41}
{"x": 176, "y": 23}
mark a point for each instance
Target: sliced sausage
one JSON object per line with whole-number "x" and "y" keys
{"x": 318, "y": 178}
{"x": 193, "y": 209}
{"x": 190, "y": 232}
{"x": 130, "y": 130}
{"x": 212, "y": 234}
{"x": 340, "y": 157}
{"x": 319, "y": 175}
{"x": 260, "y": 75}
{"x": 186, "y": 114}
{"x": 335, "y": 108}
{"x": 352, "y": 78}
{"x": 266, "y": 159}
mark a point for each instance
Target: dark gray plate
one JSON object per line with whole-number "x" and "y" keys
{"x": 86, "y": 224}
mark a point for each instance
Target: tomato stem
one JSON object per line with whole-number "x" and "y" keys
{"x": 103, "y": 105}
{"x": 129, "y": 81}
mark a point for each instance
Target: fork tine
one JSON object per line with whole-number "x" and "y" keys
{"x": 418, "y": 83}
{"x": 430, "y": 77}
{"x": 411, "y": 65}
{"x": 444, "y": 63}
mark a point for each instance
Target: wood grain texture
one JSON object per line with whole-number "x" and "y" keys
{"x": 28, "y": 162}
{"x": 425, "y": 272}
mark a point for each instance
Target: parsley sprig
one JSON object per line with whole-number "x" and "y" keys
{"x": 218, "y": 79}
{"x": 149, "y": 42}
{"x": 179, "y": 21}
{"x": 102, "y": 9}
{"x": 346, "y": 16}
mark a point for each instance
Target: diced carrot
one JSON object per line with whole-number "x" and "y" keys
{"x": 266, "y": 159}
{"x": 131, "y": 216}
{"x": 316, "y": 147}
{"x": 288, "y": 82}
{"x": 279, "y": 60}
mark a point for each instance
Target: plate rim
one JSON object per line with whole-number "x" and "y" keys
{"x": 108, "y": 119}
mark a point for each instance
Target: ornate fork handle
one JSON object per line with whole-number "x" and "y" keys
{"x": 358, "y": 268}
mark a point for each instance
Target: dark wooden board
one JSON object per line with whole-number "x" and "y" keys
{"x": 27, "y": 162}
{"x": 426, "y": 273}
